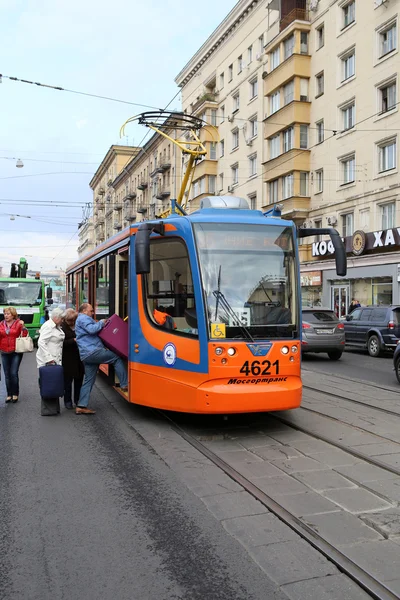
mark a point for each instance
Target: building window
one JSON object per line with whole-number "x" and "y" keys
{"x": 261, "y": 43}
{"x": 304, "y": 137}
{"x": 303, "y": 89}
{"x": 221, "y": 148}
{"x": 304, "y": 184}
{"x": 213, "y": 119}
{"x": 349, "y": 14}
{"x": 212, "y": 180}
{"x": 253, "y": 201}
{"x": 236, "y": 102}
{"x": 288, "y": 47}
{"x": 319, "y": 84}
{"x": 274, "y": 59}
{"x": 274, "y": 146}
{"x": 221, "y": 182}
{"x": 287, "y": 186}
{"x": 274, "y": 102}
{"x": 303, "y": 42}
{"x": 388, "y": 215}
{"x": 348, "y": 166}
{"x": 347, "y": 224}
{"x": 240, "y": 64}
{"x": 318, "y": 225}
{"x": 253, "y": 88}
{"x": 387, "y": 155}
{"x": 230, "y": 72}
{"x": 235, "y": 139}
{"x": 253, "y": 165}
{"x": 249, "y": 54}
{"x": 213, "y": 150}
{"x": 288, "y": 93}
{"x": 320, "y": 131}
{"x": 273, "y": 191}
{"x": 387, "y": 39}
{"x": 253, "y": 127}
{"x": 221, "y": 81}
{"x": 222, "y": 111}
{"x": 235, "y": 174}
{"x": 320, "y": 33}
{"x": 348, "y": 65}
{"x": 288, "y": 136}
{"x": 319, "y": 179}
{"x": 348, "y": 114}
{"x": 387, "y": 97}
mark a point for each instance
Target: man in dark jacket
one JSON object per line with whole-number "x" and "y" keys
{"x": 93, "y": 353}
{"x": 71, "y": 362}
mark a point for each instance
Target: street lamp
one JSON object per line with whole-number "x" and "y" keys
{"x": 19, "y": 164}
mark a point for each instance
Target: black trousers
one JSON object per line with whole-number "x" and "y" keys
{"x": 68, "y": 381}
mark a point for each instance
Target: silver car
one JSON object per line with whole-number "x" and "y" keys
{"x": 322, "y": 332}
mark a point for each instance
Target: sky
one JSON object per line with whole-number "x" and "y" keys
{"x": 126, "y": 50}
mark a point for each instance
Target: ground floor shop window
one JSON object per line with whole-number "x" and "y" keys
{"x": 368, "y": 291}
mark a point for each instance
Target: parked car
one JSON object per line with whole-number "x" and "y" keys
{"x": 376, "y": 328}
{"x": 396, "y": 361}
{"x": 322, "y": 332}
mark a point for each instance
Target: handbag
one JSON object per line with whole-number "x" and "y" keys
{"x": 23, "y": 344}
{"x": 51, "y": 381}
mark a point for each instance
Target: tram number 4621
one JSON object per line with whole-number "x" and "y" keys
{"x": 257, "y": 367}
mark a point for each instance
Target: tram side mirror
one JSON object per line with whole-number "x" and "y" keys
{"x": 142, "y": 245}
{"x": 49, "y": 293}
{"x": 340, "y": 252}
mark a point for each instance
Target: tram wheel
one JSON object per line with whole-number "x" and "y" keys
{"x": 374, "y": 347}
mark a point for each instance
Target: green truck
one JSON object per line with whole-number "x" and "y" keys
{"x": 29, "y": 296}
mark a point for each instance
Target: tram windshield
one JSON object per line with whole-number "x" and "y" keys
{"x": 249, "y": 279}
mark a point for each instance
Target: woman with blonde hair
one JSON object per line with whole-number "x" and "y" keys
{"x": 50, "y": 345}
{"x": 71, "y": 361}
{"x": 10, "y": 329}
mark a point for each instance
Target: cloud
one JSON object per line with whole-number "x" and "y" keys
{"x": 42, "y": 250}
{"x": 81, "y": 123}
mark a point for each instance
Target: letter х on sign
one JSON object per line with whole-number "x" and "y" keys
{"x": 259, "y": 349}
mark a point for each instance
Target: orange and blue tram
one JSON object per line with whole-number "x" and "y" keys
{"x": 213, "y": 305}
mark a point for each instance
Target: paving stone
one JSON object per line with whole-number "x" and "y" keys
{"x": 223, "y": 445}
{"x": 297, "y": 464}
{"x": 389, "y": 488}
{"x": 312, "y": 446}
{"x": 363, "y": 472}
{"x": 259, "y": 530}
{"x": 223, "y": 485}
{"x": 257, "y": 441}
{"x": 307, "y": 503}
{"x": 379, "y": 449}
{"x": 391, "y": 459}
{"x": 386, "y": 522}
{"x": 380, "y": 559}
{"x": 289, "y": 435}
{"x": 237, "y": 504}
{"x": 341, "y": 528}
{"x": 289, "y": 562}
{"x": 276, "y": 452}
{"x": 281, "y": 485}
{"x": 239, "y": 456}
{"x": 333, "y": 587}
{"x": 356, "y": 500}
{"x": 336, "y": 458}
{"x": 259, "y": 469}
{"x": 323, "y": 480}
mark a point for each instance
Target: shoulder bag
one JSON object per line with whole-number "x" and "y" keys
{"x": 23, "y": 344}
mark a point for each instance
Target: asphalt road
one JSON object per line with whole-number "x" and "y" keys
{"x": 89, "y": 511}
{"x": 355, "y": 364}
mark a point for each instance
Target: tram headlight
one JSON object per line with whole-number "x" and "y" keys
{"x": 219, "y": 351}
{"x": 285, "y": 350}
{"x": 231, "y": 351}
{"x": 294, "y": 349}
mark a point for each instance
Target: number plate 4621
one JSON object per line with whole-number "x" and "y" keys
{"x": 257, "y": 367}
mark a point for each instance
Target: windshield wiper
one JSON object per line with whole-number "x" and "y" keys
{"x": 220, "y": 299}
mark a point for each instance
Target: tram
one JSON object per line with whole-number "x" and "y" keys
{"x": 213, "y": 305}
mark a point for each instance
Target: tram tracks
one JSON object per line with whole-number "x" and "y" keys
{"x": 372, "y": 585}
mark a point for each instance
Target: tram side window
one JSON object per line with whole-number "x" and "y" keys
{"x": 85, "y": 294}
{"x": 169, "y": 287}
{"x": 71, "y": 291}
{"x": 102, "y": 307}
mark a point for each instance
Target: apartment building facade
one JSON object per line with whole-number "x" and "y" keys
{"x": 354, "y": 181}
{"x": 222, "y": 84}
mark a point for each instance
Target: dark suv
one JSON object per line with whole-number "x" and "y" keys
{"x": 376, "y": 328}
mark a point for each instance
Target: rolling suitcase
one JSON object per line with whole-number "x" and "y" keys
{"x": 51, "y": 384}
{"x": 114, "y": 336}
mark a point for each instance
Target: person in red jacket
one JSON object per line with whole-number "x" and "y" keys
{"x": 11, "y": 328}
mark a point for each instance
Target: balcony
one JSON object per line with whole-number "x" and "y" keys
{"x": 142, "y": 209}
{"x": 297, "y": 14}
{"x": 294, "y": 160}
{"x": 130, "y": 196}
{"x": 206, "y": 167}
{"x": 163, "y": 192}
{"x": 142, "y": 185}
{"x": 101, "y": 191}
{"x": 100, "y": 221}
{"x": 205, "y": 98}
{"x": 117, "y": 225}
{"x": 109, "y": 210}
{"x": 163, "y": 167}
{"x": 294, "y": 112}
{"x": 297, "y": 64}
{"x": 118, "y": 205}
{"x": 131, "y": 218}
{"x": 296, "y": 208}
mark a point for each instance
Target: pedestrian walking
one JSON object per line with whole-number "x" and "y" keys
{"x": 71, "y": 361}
{"x": 50, "y": 348}
{"x": 93, "y": 353}
{"x": 10, "y": 329}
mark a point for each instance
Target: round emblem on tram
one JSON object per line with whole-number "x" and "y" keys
{"x": 358, "y": 242}
{"x": 169, "y": 354}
